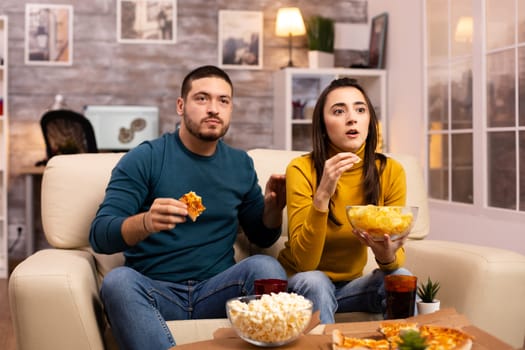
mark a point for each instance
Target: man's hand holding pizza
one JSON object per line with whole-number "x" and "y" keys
{"x": 164, "y": 214}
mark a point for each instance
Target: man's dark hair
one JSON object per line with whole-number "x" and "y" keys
{"x": 203, "y": 72}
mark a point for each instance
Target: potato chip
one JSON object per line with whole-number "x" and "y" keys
{"x": 380, "y": 220}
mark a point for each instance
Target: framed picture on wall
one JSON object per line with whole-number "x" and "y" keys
{"x": 48, "y": 34}
{"x": 147, "y": 21}
{"x": 240, "y": 39}
{"x": 3, "y": 46}
{"x": 378, "y": 33}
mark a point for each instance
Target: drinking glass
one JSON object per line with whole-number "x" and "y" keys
{"x": 400, "y": 296}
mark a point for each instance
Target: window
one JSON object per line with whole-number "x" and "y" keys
{"x": 476, "y": 132}
{"x": 449, "y": 100}
{"x": 505, "y": 103}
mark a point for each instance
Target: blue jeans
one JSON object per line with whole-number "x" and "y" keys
{"x": 364, "y": 294}
{"x": 138, "y": 306}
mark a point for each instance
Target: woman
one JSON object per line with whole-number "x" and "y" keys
{"x": 324, "y": 257}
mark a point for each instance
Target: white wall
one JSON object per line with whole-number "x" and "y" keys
{"x": 407, "y": 130}
{"x": 404, "y": 63}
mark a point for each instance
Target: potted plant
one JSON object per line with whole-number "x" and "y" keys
{"x": 427, "y": 293}
{"x": 320, "y": 33}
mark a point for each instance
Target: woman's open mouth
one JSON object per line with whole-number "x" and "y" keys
{"x": 352, "y": 132}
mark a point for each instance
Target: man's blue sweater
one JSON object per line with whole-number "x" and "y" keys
{"x": 227, "y": 183}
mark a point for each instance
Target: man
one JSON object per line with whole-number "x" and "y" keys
{"x": 177, "y": 268}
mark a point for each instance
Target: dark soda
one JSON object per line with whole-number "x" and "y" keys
{"x": 400, "y": 296}
{"x": 400, "y": 304}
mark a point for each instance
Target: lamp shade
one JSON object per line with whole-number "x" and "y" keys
{"x": 289, "y": 22}
{"x": 464, "y": 29}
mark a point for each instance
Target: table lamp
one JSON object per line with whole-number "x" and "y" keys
{"x": 289, "y": 23}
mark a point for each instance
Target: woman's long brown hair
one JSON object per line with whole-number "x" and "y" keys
{"x": 320, "y": 140}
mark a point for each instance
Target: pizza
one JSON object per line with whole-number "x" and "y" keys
{"x": 340, "y": 342}
{"x": 392, "y": 330}
{"x": 434, "y": 337}
{"x": 194, "y": 203}
{"x": 445, "y": 338}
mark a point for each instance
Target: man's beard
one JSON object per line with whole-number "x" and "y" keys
{"x": 193, "y": 128}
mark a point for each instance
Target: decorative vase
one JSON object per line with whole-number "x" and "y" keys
{"x": 427, "y": 308}
{"x": 320, "y": 59}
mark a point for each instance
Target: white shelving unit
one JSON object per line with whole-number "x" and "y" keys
{"x": 292, "y": 127}
{"x": 4, "y": 154}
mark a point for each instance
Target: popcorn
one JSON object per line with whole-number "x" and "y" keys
{"x": 272, "y": 318}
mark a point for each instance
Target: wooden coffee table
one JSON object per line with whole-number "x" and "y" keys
{"x": 226, "y": 339}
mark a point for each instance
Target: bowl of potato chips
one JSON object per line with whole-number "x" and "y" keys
{"x": 269, "y": 320}
{"x": 395, "y": 221}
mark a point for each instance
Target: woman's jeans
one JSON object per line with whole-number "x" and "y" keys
{"x": 138, "y": 307}
{"x": 364, "y": 294}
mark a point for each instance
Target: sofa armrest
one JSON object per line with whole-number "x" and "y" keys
{"x": 55, "y": 303}
{"x": 485, "y": 284}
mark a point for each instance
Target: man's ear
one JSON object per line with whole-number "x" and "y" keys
{"x": 180, "y": 106}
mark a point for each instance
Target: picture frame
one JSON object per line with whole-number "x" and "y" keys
{"x": 147, "y": 21}
{"x": 48, "y": 34}
{"x": 378, "y": 34}
{"x": 240, "y": 39}
{"x": 3, "y": 51}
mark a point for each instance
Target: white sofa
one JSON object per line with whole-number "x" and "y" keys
{"x": 54, "y": 295}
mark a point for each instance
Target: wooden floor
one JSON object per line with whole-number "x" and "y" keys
{"x": 7, "y": 334}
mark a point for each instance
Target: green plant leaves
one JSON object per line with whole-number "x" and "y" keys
{"x": 320, "y": 32}
{"x": 412, "y": 340}
{"x": 428, "y": 291}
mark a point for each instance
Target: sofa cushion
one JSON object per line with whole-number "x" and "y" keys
{"x": 416, "y": 193}
{"x": 271, "y": 161}
{"x": 73, "y": 186}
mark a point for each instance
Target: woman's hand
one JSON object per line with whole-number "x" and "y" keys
{"x": 333, "y": 169}
{"x": 385, "y": 250}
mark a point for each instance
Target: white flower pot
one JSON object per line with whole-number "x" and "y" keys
{"x": 427, "y": 308}
{"x": 320, "y": 59}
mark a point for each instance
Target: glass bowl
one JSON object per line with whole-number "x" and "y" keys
{"x": 395, "y": 221}
{"x": 269, "y": 320}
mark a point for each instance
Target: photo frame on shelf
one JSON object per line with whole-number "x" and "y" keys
{"x": 48, "y": 34}
{"x": 147, "y": 21}
{"x": 240, "y": 39}
{"x": 3, "y": 45}
{"x": 378, "y": 34}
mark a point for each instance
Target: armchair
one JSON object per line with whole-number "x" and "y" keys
{"x": 54, "y": 294}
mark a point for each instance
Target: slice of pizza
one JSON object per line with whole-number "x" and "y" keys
{"x": 341, "y": 342}
{"x": 435, "y": 338}
{"x": 391, "y": 330}
{"x": 194, "y": 203}
{"x": 446, "y": 338}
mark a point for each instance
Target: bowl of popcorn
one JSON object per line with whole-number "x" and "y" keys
{"x": 395, "y": 221}
{"x": 269, "y": 320}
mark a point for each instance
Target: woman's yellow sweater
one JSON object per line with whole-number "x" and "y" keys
{"x": 314, "y": 241}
